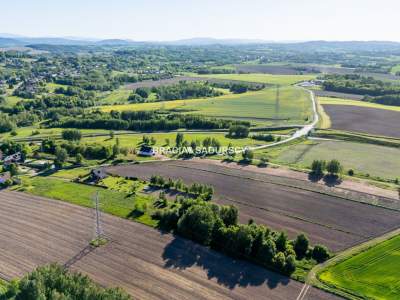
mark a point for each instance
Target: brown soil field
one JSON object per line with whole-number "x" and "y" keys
{"x": 146, "y": 263}
{"x": 364, "y": 119}
{"x": 156, "y": 83}
{"x": 276, "y": 202}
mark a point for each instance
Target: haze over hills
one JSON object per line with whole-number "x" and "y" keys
{"x": 12, "y": 40}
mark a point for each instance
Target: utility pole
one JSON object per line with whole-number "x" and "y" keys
{"x": 99, "y": 234}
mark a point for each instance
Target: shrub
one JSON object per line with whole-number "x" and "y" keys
{"x": 351, "y": 172}
{"x": 320, "y": 253}
{"x": 197, "y": 223}
{"x": 301, "y": 245}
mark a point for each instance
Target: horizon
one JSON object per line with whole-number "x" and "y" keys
{"x": 176, "y": 20}
{"x": 243, "y": 40}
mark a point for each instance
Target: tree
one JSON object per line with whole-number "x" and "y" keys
{"x": 12, "y": 168}
{"x": 115, "y": 150}
{"x": 71, "y": 135}
{"x": 279, "y": 261}
{"x": 197, "y": 224}
{"x": 267, "y": 252}
{"x": 317, "y": 168}
{"x": 290, "y": 264}
{"x": 238, "y": 131}
{"x": 301, "y": 245}
{"x": 61, "y": 157}
{"x": 78, "y": 159}
{"x": 229, "y": 215}
{"x": 281, "y": 242}
{"x": 320, "y": 253}
{"x": 179, "y": 139}
{"x": 333, "y": 167}
{"x": 55, "y": 282}
{"x": 142, "y": 92}
{"x": 112, "y": 134}
{"x": 248, "y": 155}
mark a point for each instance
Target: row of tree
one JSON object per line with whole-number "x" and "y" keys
{"x": 195, "y": 189}
{"x": 217, "y": 226}
{"x": 55, "y": 282}
{"x": 156, "y": 122}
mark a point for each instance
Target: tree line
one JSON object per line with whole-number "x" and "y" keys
{"x": 217, "y": 227}
{"x": 195, "y": 189}
{"x": 143, "y": 121}
{"x": 55, "y": 282}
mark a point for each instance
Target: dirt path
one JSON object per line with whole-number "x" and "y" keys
{"x": 146, "y": 263}
{"x": 361, "y": 186}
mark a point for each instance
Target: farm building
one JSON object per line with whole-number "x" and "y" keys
{"x": 16, "y": 157}
{"x": 98, "y": 174}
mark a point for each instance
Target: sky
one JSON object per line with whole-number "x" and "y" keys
{"x": 144, "y": 20}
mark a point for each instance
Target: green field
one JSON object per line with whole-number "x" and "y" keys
{"x": 262, "y": 78}
{"x": 293, "y": 107}
{"x": 375, "y": 160}
{"x": 133, "y": 140}
{"x": 339, "y": 101}
{"x": 395, "y": 69}
{"x": 372, "y": 274}
{"x": 26, "y": 132}
{"x": 114, "y": 202}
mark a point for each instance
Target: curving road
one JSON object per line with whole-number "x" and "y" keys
{"x": 299, "y": 133}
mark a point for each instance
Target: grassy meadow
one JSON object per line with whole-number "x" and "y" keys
{"x": 133, "y": 140}
{"x": 294, "y": 106}
{"x": 262, "y": 78}
{"x": 374, "y": 160}
{"x": 372, "y": 274}
{"x": 113, "y": 201}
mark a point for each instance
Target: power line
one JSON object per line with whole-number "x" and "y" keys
{"x": 99, "y": 234}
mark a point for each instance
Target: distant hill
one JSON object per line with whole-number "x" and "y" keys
{"x": 213, "y": 41}
{"x": 10, "y": 40}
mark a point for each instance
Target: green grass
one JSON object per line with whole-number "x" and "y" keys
{"x": 263, "y": 78}
{"x": 52, "y": 86}
{"x": 395, "y": 69}
{"x": 133, "y": 140}
{"x": 340, "y": 101}
{"x": 375, "y": 160}
{"x": 26, "y": 132}
{"x": 114, "y": 202}
{"x": 12, "y": 101}
{"x": 72, "y": 173}
{"x": 117, "y": 96}
{"x": 372, "y": 274}
{"x": 294, "y": 106}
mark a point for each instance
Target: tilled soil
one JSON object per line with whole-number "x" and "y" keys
{"x": 146, "y": 263}
{"x": 364, "y": 119}
{"x": 279, "y": 203}
{"x": 161, "y": 82}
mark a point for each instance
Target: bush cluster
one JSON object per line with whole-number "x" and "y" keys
{"x": 196, "y": 189}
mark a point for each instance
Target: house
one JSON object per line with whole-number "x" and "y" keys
{"x": 146, "y": 150}
{"x": 98, "y": 174}
{"x": 16, "y": 157}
